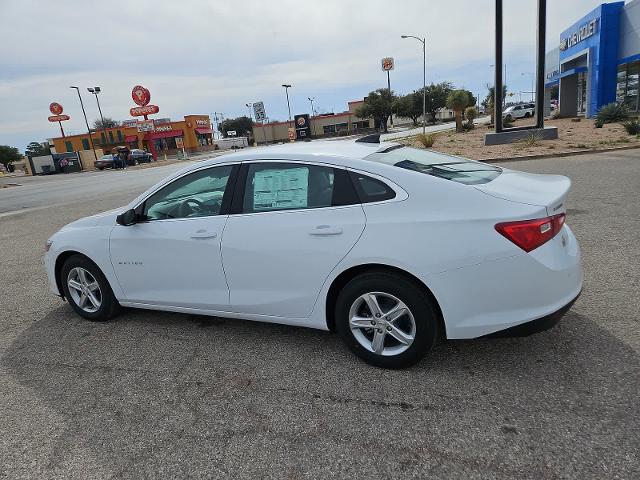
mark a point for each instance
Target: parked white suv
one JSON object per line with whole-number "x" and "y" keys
{"x": 524, "y": 110}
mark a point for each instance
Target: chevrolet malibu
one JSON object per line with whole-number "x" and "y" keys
{"x": 390, "y": 246}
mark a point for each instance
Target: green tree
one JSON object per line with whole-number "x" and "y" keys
{"x": 9, "y": 154}
{"x": 409, "y": 106}
{"x": 242, "y": 125}
{"x": 436, "y": 98}
{"x": 457, "y": 101}
{"x": 378, "y": 105}
{"x": 470, "y": 114}
{"x": 108, "y": 123}
{"x": 34, "y": 149}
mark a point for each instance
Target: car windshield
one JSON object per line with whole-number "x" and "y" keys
{"x": 460, "y": 170}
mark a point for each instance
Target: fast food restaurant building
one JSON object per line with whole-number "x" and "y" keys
{"x": 194, "y": 131}
{"x": 597, "y": 61}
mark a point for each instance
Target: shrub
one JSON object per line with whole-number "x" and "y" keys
{"x": 471, "y": 113}
{"x": 506, "y": 123}
{"x": 425, "y": 140}
{"x": 556, "y": 114}
{"x": 598, "y": 123}
{"x": 632, "y": 126}
{"x": 613, "y": 112}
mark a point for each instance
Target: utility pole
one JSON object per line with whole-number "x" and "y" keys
{"x": 95, "y": 155}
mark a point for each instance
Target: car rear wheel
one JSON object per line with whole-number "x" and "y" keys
{"x": 386, "y": 319}
{"x": 87, "y": 289}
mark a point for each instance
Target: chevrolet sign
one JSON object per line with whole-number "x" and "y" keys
{"x": 584, "y": 32}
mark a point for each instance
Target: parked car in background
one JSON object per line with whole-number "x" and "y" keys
{"x": 106, "y": 161}
{"x": 139, "y": 156}
{"x": 524, "y": 110}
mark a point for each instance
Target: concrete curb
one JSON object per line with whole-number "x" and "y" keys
{"x": 557, "y": 155}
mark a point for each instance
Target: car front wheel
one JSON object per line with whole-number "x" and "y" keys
{"x": 386, "y": 319}
{"x": 87, "y": 289}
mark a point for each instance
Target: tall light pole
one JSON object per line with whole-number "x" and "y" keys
{"x": 424, "y": 79}
{"x": 313, "y": 132}
{"x": 286, "y": 89}
{"x": 96, "y": 91}
{"x": 95, "y": 155}
{"x": 249, "y": 105}
{"x": 532, "y": 87}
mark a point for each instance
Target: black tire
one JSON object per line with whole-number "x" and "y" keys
{"x": 526, "y": 115}
{"x": 100, "y": 168}
{"x": 109, "y": 306}
{"x": 404, "y": 289}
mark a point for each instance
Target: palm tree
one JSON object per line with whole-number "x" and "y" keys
{"x": 457, "y": 101}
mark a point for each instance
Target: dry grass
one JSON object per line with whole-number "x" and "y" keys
{"x": 572, "y": 137}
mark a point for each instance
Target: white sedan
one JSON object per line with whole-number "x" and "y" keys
{"x": 390, "y": 246}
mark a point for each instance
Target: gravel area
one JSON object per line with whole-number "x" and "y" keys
{"x": 572, "y": 137}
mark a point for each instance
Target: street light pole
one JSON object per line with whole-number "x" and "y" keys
{"x": 313, "y": 132}
{"x": 95, "y": 155}
{"x": 96, "y": 91}
{"x": 424, "y": 79}
{"x": 249, "y": 105}
{"x": 286, "y": 89}
{"x": 532, "y": 87}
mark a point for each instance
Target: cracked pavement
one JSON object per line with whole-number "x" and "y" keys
{"x": 157, "y": 395}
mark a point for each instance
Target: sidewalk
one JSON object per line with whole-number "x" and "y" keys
{"x": 385, "y": 137}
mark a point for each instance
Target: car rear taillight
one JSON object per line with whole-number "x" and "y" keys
{"x": 530, "y": 234}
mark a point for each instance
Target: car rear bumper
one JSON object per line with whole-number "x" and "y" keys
{"x": 535, "y": 326}
{"x": 496, "y": 295}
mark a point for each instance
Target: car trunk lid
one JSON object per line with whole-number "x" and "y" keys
{"x": 548, "y": 191}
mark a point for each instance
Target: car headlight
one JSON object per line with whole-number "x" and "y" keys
{"x": 47, "y": 245}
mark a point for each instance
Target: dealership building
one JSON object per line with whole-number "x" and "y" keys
{"x": 597, "y": 61}
{"x": 160, "y": 135}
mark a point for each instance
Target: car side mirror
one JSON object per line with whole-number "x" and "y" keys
{"x": 130, "y": 217}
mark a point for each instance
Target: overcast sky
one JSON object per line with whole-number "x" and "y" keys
{"x": 199, "y": 57}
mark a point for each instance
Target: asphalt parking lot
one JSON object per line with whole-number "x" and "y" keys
{"x": 155, "y": 394}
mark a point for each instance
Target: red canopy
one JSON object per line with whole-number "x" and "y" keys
{"x": 131, "y": 138}
{"x": 169, "y": 134}
{"x": 204, "y": 131}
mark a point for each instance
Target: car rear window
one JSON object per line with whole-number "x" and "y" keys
{"x": 456, "y": 169}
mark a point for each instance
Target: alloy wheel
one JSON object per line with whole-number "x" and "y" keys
{"x": 84, "y": 289}
{"x": 382, "y": 323}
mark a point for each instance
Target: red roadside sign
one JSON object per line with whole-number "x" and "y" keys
{"x": 58, "y": 118}
{"x": 144, "y": 110}
{"x": 56, "y": 109}
{"x": 141, "y": 96}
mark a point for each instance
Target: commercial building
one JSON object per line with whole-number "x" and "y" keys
{"x": 157, "y": 136}
{"x": 327, "y": 125}
{"x": 597, "y": 61}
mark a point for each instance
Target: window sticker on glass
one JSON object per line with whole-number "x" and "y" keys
{"x": 280, "y": 189}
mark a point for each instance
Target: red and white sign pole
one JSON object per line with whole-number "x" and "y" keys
{"x": 141, "y": 97}
{"x": 57, "y": 116}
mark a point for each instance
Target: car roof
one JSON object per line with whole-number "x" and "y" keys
{"x": 340, "y": 151}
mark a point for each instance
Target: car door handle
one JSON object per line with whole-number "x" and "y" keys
{"x": 204, "y": 234}
{"x": 326, "y": 230}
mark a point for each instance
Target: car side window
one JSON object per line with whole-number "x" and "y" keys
{"x": 371, "y": 189}
{"x": 198, "y": 194}
{"x": 272, "y": 186}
